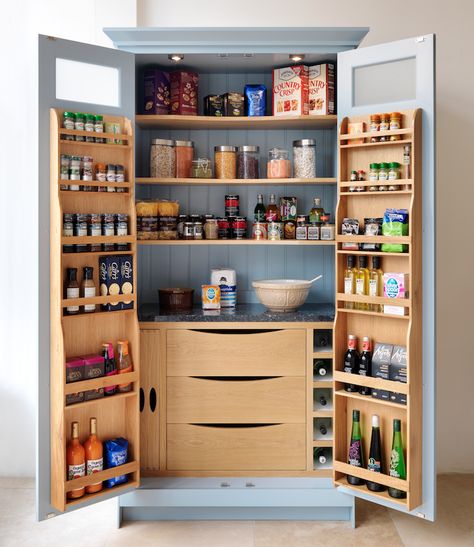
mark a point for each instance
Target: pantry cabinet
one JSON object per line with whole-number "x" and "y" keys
{"x": 226, "y": 414}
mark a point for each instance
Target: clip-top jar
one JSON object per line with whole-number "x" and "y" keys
{"x": 304, "y": 158}
{"x": 225, "y": 162}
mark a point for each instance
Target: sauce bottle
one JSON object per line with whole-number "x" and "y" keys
{"x": 75, "y": 461}
{"x": 88, "y": 288}
{"x": 272, "y": 213}
{"x": 110, "y": 366}
{"x": 124, "y": 364}
{"x": 93, "y": 450}
{"x": 71, "y": 290}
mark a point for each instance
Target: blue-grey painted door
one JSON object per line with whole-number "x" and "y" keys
{"x": 82, "y": 78}
{"x": 393, "y": 77}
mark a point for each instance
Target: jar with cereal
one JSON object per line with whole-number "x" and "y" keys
{"x": 162, "y": 158}
{"x": 304, "y": 158}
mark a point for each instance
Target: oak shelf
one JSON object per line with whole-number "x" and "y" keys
{"x": 368, "y": 183}
{"x": 70, "y": 240}
{"x": 82, "y": 144}
{"x": 370, "y": 381}
{"x": 367, "y": 475}
{"x": 192, "y": 242}
{"x": 370, "y": 144}
{"x": 120, "y": 489}
{"x": 369, "y": 134}
{"x": 96, "y": 383}
{"x": 376, "y": 194}
{"x": 349, "y": 238}
{"x": 402, "y": 302}
{"x": 111, "y": 299}
{"x": 101, "y": 400}
{"x": 367, "y": 398}
{"x": 225, "y": 182}
{"x": 378, "y": 495}
{"x": 374, "y": 313}
{"x": 371, "y": 253}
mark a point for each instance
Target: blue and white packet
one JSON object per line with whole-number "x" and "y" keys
{"x": 116, "y": 453}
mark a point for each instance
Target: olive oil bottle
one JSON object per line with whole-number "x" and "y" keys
{"x": 350, "y": 280}
{"x": 362, "y": 283}
{"x": 376, "y": 283}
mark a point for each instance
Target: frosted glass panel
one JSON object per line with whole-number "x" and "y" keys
{"x": 87, "y": 83}
{"x": 385, "y": 82}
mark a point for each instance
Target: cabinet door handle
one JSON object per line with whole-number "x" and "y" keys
{"x": 142, "y": 399}
{"x": 235, "y": 378}
{"x": 235, "y": 426}
{"x": 153, "y": 399}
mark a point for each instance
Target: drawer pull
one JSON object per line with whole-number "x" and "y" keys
{"x": 152, "y": 399}
{"x": 235, "y": 426}
{"x": 235, "y": 378}
{"x": 240, "y": 331}
{"x": 142, "y": 399}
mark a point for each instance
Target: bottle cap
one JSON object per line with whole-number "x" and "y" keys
{"x": 351, "y": 337}
{"x": 376, "y": 262}
{"x": 375, "y": 420}
{"x": 356, "y": 416}
{"x": 362, "y": 262}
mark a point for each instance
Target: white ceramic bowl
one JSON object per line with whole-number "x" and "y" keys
{"x": 282, "y": 295}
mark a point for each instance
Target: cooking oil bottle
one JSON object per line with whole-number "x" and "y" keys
{"x": 350, "y": 280}
{"x": 376, "y": 283}
{"x": 362, "y": 283}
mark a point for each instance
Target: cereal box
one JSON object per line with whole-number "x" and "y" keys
{"x": 156, "y": 91}
{"x": 321, "y": 89}
{"x": 290, "y": 91}
{"x": 109, "y": 279}
{"x": 184, "y": 93}
{"x": 126, "y": 279}
{"x": 211, "y": 297}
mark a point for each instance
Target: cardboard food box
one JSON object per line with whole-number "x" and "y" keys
{"x": 234, "y": 104}
{"x": 94, "y": 367}
{"x": 322, "y": 89}
{"x": 395, "y": 285}
{"x": 156, "y": 91}
{"x": 74, "y": 373}
{"x": 211, "y": 297}
{"x": 399, "y": 398}
{"x": 354, "y": 128}
{"x": 381, "y": 394}
{"x": 291, "y": 91}
{"x": 126, "y": 279}
{"x": 381, "y": 360}
{"x": 398, "y": 364}
{"x": 184, "y": 93}
{"x": 110, "y": 280}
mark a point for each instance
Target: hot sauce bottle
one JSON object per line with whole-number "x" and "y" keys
{"x": 75, "y": 461}
{"x": 94, "y": 457}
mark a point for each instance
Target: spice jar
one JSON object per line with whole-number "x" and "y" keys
{"x": 79, "y": 125}
{"x": 69, "y": 120}
{"x": 395, "y": 121}
{"x": 247, "y": 162}
{"x": 75, "y": 172}
{"x": 383, "y": 171}
{"x": 353, "y": 176}
{"x": 64, "y": 170}
{"x": 99, "y": 127}
{"x": 111, "y": 176}
{"x": 211, "y": 228}
{"x": 80, "y": 230}
{"x": 68, "y": 231}
{"x": 201, "y": 168}
{"x": 394, "y": 170}
{"x": 180, "y": 227}
{"x": 95, "y": 229}
{"x": 184, "y": 158}
{"x": 87, "y": 172}
{"x": 197, "y": 230}
{"x": 374, "y": 171}
{"x": 108, "y": 229}
{"x": 119, "y": 173}
{"x": 89, "y": 126}
{"x": 384, "y": 122}
{"x": 278, "y": 165}
{"x": 374, "y": 126}
{"x": 162, "y": 158}
{"x": 225, "y": 162}
{"x": 304, "y": 158}
{"x": 188, "y": 230}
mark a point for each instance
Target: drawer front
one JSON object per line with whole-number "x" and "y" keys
{"x": 219, "y": 448}
{"x": 213, "y": 400}
{"x": 274, "y": 353}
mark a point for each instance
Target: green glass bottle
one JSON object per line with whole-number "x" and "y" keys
{"x": 397, "y": 460}
{"x": 259, "y": 211}
{"x": 375, "y": 463}
{"x": 356, "y": 454}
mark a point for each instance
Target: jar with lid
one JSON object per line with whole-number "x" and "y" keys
{"x": 79, "y": 125}
{"x": 395, "y": 121}
{"x": 247, "y": 162}
{"x": 353, "y": 176}
{"x": 225, "y": 162}
{"x": 95, "y": 229}
{"x": 68, "y": 231}
{"x": 88, "y": 289}
{"x": 162, "y": 158}
{"x": 99, "y": 127}
{"x": 201, "y": 168}
{"x": 75, "y": 172}
{"x": 383, "y": 171}
{"x": 89, "y": 123}
{"x": 374, "y": 171}
{"x": 180, "y": 227}
{"x": 108, "y": 230}
{"x": 394, "y": 170}
{"x": 87, "y": 172}
{"x": 384, "y": 122}
{"x": 328, "y": 231}
{"x": 111, "y": 176}
{"x": 69, "y": 121}
{"x": 211, "y": 229}
{"x": 64, "y": 170}
{"x": 374, "y": 126}
{"x": 119, "y": 177}
{"x": 301, "y": 227}
{"x": 304, "y": 158}
{"x": 197, "y": 230}
{"x": 188, "y": 230}
{"x": 278, "y": 165}
{"x": 184, "y": 158}
{"x": 81, "y": 230}
{"x": 121, "y": 229}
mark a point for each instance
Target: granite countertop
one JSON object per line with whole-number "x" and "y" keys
{"x": 311, "y": 313}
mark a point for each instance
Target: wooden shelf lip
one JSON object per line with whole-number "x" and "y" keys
{"x": 369, "y": 134}
{"x": 392, "y": 192}
{"x": 387, "y": 143}
{"x": 373, "y": 313}
{"x": 123, "y": 469}
{"x": 110, "y": 299}
{"x": 367, "y": 183}
{"x": 378, "y": 495}
{"x": 238, "y": 122}
{"x": 69, "y": 240}
{"x": 402, "y": 302}
{"x": 96, "y": 253}
{"x": 101, "y": 314}
{"x": 94, "y": 183}
{"x": 121, "y": 488}
{"x": 362, "y": 473}
{"x": 64, "y": 131}
{"x": 95, "y": 144}
{"x": 96, "y": 383}
{"x": 368, "y": 398}
{"x": 102, "y": 400}
{"x": 370, "y": 381}
{"x": 324, "y": 444}
{"x": 371, "y": 253}
{"x": 233, "y": 242}
{"x": 348, "y": 238}
{"x": 242, "y": 182}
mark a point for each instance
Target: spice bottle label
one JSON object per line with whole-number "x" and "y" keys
{"x": 76, "y": 471}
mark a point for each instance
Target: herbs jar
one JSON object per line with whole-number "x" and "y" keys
{"x": 304, "y": 158}
{"x": 79, "y": 125}
{"x": 225, "y": 162}
{"x": 162, "y": 159}
{"x": 201, "y": 168}
{"x": 99, "y": 127}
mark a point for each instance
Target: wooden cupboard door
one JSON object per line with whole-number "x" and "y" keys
{"x": 208, "y": 353}
{"x": 218, "y": 447}
{"x": 213, "y": 400}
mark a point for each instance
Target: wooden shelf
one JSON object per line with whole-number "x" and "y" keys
{"x": 242, "y": 122}
{"x": 368, "y": 183}
{"x": 116, "y": 490}
{"x": 64, "y": 131}
{"x": 239, "y": 182}
{"x": 73, "y": 144}
{"x": 376, "y": 194}
{"x": 377, "y": 495}
{"x": 366, "y": 144}
{"x": 371, "y": 253}
{"x": 370, "y": 381}
{"x": 348, "y": 238}
{"x": 111, "y": 299}
{"x": 95, "y": 253}
{"x": 373, "y": 313}
{"x": 362, "y": 473}
{"x": 70, "y": 240}
{"x": 367, "y": 398}
{"x": 103, "y": 381}
{"x": 125, "y": 469}
{"x": 101, "y": 314}
{"x": 102, "y": 400}
{"x": 402, "y": 302}
{"x": 369, "y": 134}
{"x": 94, "y": 183}
{"x": 167, "y": 242}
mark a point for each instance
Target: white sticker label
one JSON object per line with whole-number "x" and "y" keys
{"x": 89, "y": 292}
{"x": 94, "y": 466}
{"x": 373, "y": 287}
{"x": 348, "y": 285}
{"x": 360, "y": 287}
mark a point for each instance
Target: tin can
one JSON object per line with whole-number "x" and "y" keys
{"x": 180, "y": 228}
{"x": 188, "y": 230}
{"x": 197, "y": 230}
{"x": 224, "y": 227}
{"x": 239, "y": 228}
{"x": 275, "y": 231}
{"x": 288, "y": 208}
{"x": 259, "y": 230}
{"x": 231, "y": 205}
{"x": 289, "y": 229}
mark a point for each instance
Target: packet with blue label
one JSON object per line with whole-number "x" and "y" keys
{"x": 255, "y": 100}
{"x": 115, "y": 453}
{"x": 395, "y": 224}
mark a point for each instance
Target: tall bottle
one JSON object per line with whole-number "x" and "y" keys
{"x": 397, "y": 460}
{"x": 94, "y": 456}
{"x": 124, "y": 364}
{"x": 376, "y": 283}
{"x": 316, "y": 212}
{"x": 71, "y": 290}
{"x": 350, "y": 280}
{"x": 356, "y": 454}
{"x": 375, "y": 462}
{"x": 351, "y": 361}
{"x": 362, "y": 282}
{"x": 272, "y": 214}
{"x": 88, "y": 288}
{"x": 323, "y": 429}
{"x": 259, "y": 211}
{"x": 365, "y": 364}
{"x": 75, "y": 461}
{"x": 110, "y": 366}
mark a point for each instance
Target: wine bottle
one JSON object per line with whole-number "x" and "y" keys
{"x": 397, "y": 460}
{"x": 259, "y": 211}
{"x": 320, "y": 455}
{"x": 320, "y": 368}
{"x": 322, "y": 400}
{"x": 350, "y": 280}
{"x": 351, "y": 361}
{"x": 76, "y": 461}
{"x": 365, "y": 364}
{"x": 323, "y": 429}
{"x": 94, "y": 456}
{"x": 375, "y": 463}
{"x": 356, "y": 454}
{"x": 362, "y": 282}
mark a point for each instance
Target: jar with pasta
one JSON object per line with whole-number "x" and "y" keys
{"x": 225, "y": 162}
{"x": 162, "y": 159}
{"x": 184, "y": 158}
{"x": 304, "y": 158}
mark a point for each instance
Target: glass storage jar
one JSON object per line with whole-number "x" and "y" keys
{"x": 374, "y": 171}
{"x": 89, "y": 126}
{"x": 201, "y": 168}
{"x": 211, "y": 229}
{"x": 394, "y": 170}
{"x": 304, "y": 158}
{"x": 184, "y": 158}
{"x": 69, "y": 120}
{"x": 374, "y": 126}
{"x": 278, "y": 165}
{"x": 94, "y": 230}
{"x": 225, "y": 162}
{"x": 247, "y": 162}
{"x": 99, "y": 127}
{"x": 162, "y": 159}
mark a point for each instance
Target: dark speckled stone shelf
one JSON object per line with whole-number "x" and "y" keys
{"x": 252, "y": 313}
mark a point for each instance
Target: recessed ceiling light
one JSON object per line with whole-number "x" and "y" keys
{"x": 223, "y": 55}
{"x": 296, "y": 57}
{"x": 176, "y": 57}
{"x": 249, "y": 54}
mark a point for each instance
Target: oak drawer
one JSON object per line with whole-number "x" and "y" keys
{"x": 253, "y": 400}
{"x": 232, "y": 448}
{"x": 270, "y": 353}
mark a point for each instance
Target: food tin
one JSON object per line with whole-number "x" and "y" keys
{"x": 239, "y": 228}
{"x": 288, "y": 208}
{"x": 259, "y": 230}
{"x": 289, "y": 229}
{"x": 275, "y": 231}
{"x": 224, "y": 227}
{"x": 231, "y": 205}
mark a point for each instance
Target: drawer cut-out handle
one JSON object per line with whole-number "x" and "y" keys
{"x": 152, "y": 399}
{"x": 235, "y": 426}
{"x": 235, "y": 378}
{"x": 142, "y": 399}
{"x": 239, "y": 331}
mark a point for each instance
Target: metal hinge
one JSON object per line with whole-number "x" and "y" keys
{"x": 419, "y": 39}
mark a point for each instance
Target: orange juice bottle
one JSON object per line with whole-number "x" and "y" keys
{"x": 94, "y": 457}
{"x": 75, "y": 461}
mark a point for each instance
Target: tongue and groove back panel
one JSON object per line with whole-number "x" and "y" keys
{"x": 188, "y": 266}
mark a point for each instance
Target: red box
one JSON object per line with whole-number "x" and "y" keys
{"x": 291, "y": 91}
{"x": 184, "y": 93}
{"x": 321, "y": 89}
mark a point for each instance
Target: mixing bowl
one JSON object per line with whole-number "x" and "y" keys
{"x": 282, "y": 295}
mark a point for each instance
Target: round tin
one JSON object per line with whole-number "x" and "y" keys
{"x": 259, "y": 230}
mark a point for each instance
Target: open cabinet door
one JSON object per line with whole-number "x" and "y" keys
{"x": 389, "y": 78}
{"x": 77, "y": 77}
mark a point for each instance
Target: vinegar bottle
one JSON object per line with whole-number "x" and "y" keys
{"x": 259, "y": 211}
{"x": 350, "y": 280}
{"x": 376, "y": 283}
{"x": 110, "y": 367}
{"x": 375, "y": 463}
{"x": 75, "y": 461}
{"x": 362, "y": 282}
{"x": 94, "y": 457}
{"x": 397, "y": 460}
{"x": 124, "y": 364}
{"x": 356, "y": 454}
{"x": 272, "y": 213}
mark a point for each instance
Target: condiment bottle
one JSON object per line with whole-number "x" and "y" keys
{"x": 110, "y": 366}
{"x": 124, "y": 364}
{"x": 93, "y": 450}
{"x": 362, "y": 282}
{"x": 272, "y": 214}
{"x": 88, "y": 288}
{"x": 75, "y": 460}
{"x": 72, "y": 290}
{"x": 376, "y": 283}
{"x": 316, "y": 212}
